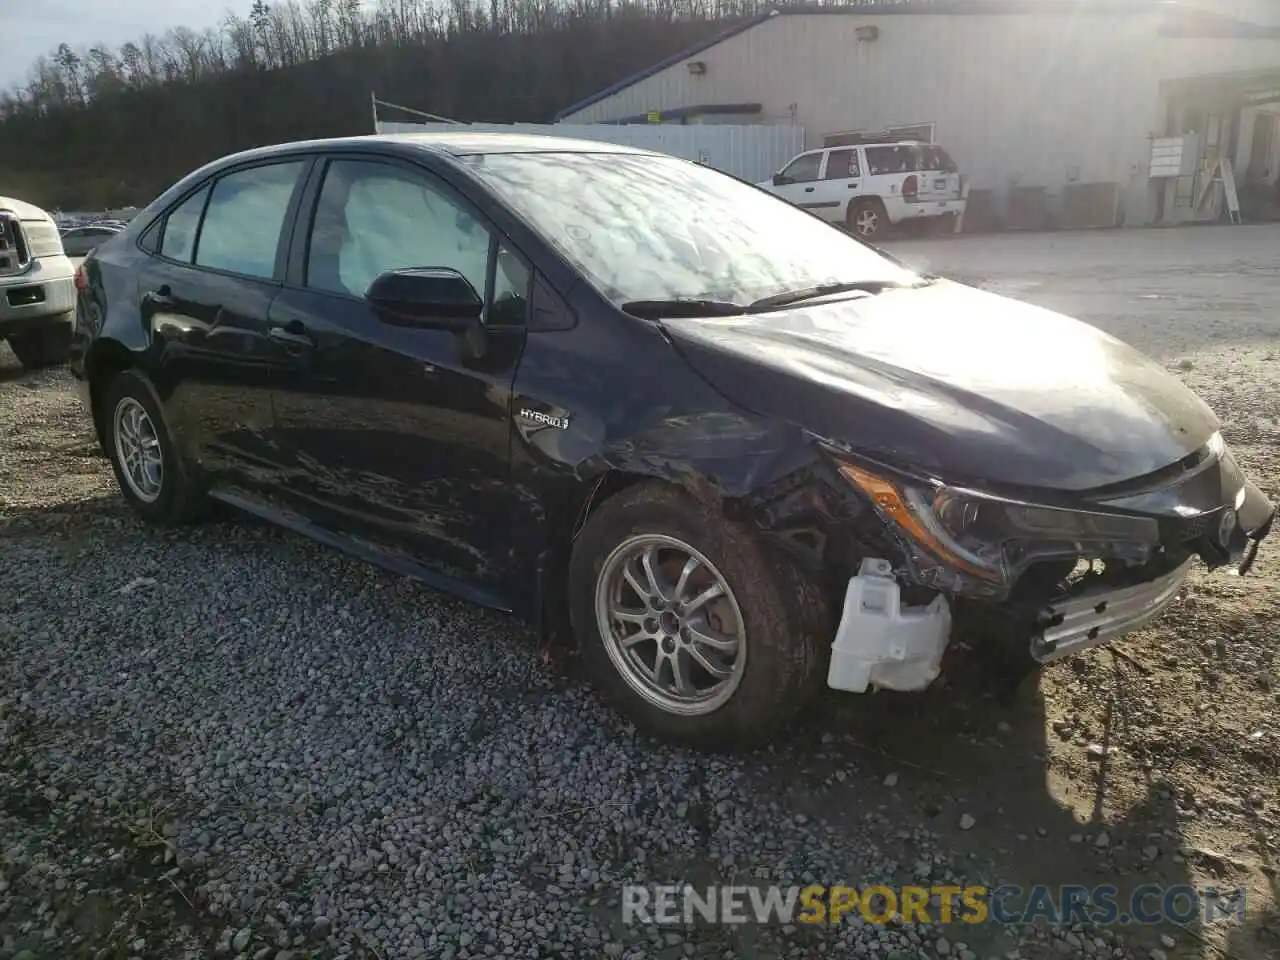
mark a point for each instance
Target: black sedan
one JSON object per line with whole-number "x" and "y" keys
{"x": 82, "y": 241}
{"x": 730, "y": 449}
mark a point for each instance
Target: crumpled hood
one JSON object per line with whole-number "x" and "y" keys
{"x": 959, "y": 382}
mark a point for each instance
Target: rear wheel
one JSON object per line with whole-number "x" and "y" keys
{"x": 44, "y": 346}
{"x": 143, "y": 455}
{"x": 689, "y": 624}
{"x": 866, "y": 218}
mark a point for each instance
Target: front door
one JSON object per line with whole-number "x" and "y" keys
{"x": 399, "y": 436}
{"x": 206, "y": 295}
{"x": 800, "y": 179}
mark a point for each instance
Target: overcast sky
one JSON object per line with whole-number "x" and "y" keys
{"x": 29, "y": 28}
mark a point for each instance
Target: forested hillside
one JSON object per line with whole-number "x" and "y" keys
{"x": 97, "y": 127}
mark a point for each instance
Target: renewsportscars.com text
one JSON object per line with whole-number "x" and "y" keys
{"x": 674, "y": 904}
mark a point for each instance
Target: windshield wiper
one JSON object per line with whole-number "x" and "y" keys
{"x": 682, "y": 307}
{"x": 789, "y": 297}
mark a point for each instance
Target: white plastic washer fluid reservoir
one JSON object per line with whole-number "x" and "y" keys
{"x": 882, "y": 644}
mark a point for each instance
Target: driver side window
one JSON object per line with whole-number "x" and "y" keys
{"x": 373, "y": 217}
{"x": 803, "y": 169}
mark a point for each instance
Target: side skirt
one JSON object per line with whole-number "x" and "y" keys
{"x": 366, "y": 552}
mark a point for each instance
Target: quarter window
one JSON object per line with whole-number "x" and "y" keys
{"x": 247, "y": 210}
{"x": 896, "y": 159}
{"x": 374, "y": 217}
{"x": 935, "y": 158}
{"x": 181, "y": 226}
{"x": 511, "y": 280}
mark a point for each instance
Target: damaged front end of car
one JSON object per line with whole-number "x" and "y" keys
{"x": 921, "y": 559}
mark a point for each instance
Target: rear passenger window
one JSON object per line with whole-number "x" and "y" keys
{"x": 180, "y": 228}
{"x": 842, "y": 165}
{"x": 241, "y": 229}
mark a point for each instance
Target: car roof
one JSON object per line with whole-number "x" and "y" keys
{"x": 448, "y": 145}
{"x": 457, "y": 144}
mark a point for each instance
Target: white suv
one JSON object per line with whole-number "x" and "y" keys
{"x": 37, "y": 286}
{"x": 870, "y": 186}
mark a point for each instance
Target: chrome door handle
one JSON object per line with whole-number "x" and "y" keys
{"x": 160, "y": 297}
{"x": 291, "y": 337}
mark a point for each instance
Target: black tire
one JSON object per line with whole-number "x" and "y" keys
{"x": 867, "y": 218}
{"x": 46, "y": 345}
{"x": 784, "y": 617}
{"x": 179, "y": 499}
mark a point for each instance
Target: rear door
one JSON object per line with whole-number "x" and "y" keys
{"x": 841, "y": 183}
{"x": 206, "y": 294}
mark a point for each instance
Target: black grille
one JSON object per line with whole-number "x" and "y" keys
{"x": 13, "y": 249}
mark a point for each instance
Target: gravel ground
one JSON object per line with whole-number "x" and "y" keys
{"x": 229, "y": 741}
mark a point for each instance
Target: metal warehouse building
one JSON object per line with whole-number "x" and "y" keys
{"x": 1094, "y": 113}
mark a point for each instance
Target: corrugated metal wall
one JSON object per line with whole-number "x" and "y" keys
{"x": 1033, "y": 100}
{"x": 750, "y": 152}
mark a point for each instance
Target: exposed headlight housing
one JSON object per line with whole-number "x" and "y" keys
{"x": 972, "y": 542}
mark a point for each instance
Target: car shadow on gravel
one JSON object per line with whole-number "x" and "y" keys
{"x": 976, "y": 772}
{"x": 13, "y": 374}
{"x": 1259, "y": 935}
{"x": 104, "y": 510}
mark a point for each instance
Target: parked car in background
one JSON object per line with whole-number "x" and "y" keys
{"x": 37, "y": 291}
{"x": 869, "y": 187}
{"x": 739, "y": 451}
{"x": 81, "y": 241}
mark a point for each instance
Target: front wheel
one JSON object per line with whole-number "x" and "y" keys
{"x": 689, "y": 624}
{"x": 46, "y": 345}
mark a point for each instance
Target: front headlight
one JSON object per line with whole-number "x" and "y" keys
{"x": 42, "y": 238}
{"x": 992, "y": 538}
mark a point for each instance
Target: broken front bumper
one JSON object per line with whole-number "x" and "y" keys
{"x": 1096, "y": 616}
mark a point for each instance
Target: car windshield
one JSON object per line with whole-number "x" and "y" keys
{"x": 655, "y": 228}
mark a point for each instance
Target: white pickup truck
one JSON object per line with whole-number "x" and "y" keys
{"x": 37, "y": 286}
{"x": 869, "y": 187}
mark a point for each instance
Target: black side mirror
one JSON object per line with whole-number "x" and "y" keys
{"x": 426, "y": 297}
{"x": 779, "y": 179}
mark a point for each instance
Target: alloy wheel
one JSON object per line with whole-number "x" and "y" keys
{"x": 671, "y": 624}
{"x": 138, "y": 450}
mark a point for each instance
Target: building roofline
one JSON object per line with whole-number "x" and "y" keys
{"x": 1228, "y": 25}
{"x": 697, "y": 110}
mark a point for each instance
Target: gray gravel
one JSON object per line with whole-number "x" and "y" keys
{"x": 280, "y": 752}
{"x": 335, "y": 754}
